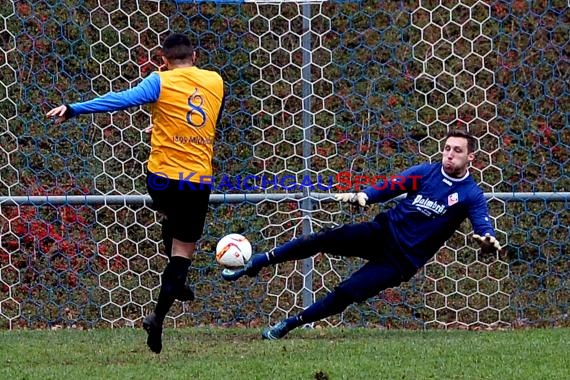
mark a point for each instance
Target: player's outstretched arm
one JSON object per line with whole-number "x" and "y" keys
{"x": 384, "y": 188}
{"x": 146, "y": 92}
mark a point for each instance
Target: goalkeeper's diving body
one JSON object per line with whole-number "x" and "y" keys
{"x": 186, "y": 105}
{"x": 397, "y": 242}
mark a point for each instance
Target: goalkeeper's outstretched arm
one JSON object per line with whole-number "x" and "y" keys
{"x": 387, "y": 188}
{"x": 484, "y": 233}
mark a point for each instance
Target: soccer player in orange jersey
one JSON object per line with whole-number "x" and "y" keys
{"x": 186, "y": 105}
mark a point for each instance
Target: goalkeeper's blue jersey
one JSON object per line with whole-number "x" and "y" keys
{"x": 434, "y": 207}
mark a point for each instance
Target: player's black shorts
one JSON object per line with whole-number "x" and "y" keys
{"x": 184, "y": 203}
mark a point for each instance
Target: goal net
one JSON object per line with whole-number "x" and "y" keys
{"x": 314, "y": 89}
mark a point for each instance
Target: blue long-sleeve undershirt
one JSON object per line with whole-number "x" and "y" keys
{"x": 145, "y": 92}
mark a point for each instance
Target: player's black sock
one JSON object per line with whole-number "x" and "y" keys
{"x": 186, "y": 293}
{"x": 167, "y": 237}
{"x": 333, "y": 303}
{"x": 173, "y": 279}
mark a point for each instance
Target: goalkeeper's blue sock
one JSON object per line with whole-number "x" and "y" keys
{"x": 297, "y": 249}
{"x": 173, "y": 279}
{"x": 294, "y": 322}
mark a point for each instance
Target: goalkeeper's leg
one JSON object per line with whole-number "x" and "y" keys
{"x": 353, "y": 240}
{"x": 367, "y": 282}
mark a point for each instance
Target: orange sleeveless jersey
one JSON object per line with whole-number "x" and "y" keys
{"x": 184, "y": 123}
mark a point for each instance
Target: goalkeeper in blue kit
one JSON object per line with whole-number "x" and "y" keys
{"x": 397, "y": 242}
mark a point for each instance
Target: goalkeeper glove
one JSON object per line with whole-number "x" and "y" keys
{"x": 488, "y": 243}
{"x": 359, "y": 198}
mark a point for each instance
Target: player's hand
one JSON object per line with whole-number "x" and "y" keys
{"x": 359, "y": 198}
{"x": 148, "y": 129}
{"x": 61, "y": 113}
{"x": 488, "y": 243}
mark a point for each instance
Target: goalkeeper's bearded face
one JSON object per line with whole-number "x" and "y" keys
{"x": 456, "y": 157}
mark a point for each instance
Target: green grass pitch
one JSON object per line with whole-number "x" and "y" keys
{"x": 331, "y": 353}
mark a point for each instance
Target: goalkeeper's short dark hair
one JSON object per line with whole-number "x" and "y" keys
{"x": 471, "y": 140}
{"x": 177, "y": 47}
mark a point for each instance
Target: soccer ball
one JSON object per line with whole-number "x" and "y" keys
{"x": 233, "y": 250}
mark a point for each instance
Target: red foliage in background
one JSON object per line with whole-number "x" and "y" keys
{"x": 52, "y": 244}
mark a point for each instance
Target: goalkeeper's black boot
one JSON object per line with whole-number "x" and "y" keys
{"x": 277, "y": 332}
{"x": 186, "y": 294}
{"x": 251, "y": 268}
{"x": 154, "y": 330}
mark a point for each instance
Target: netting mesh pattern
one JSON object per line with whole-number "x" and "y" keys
{"x": 369, "y": 87}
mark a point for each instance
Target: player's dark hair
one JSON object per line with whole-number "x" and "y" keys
{"x": 471, "y": 140}
{"x": 177, "y": 47}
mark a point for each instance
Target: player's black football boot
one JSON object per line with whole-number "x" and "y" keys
{"x": 154, "y": 330}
